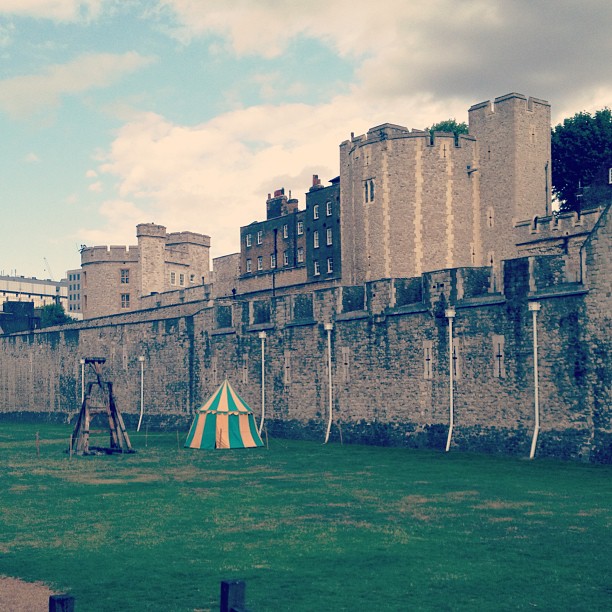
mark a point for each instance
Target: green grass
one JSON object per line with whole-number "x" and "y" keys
{"x": 307, "y": 526}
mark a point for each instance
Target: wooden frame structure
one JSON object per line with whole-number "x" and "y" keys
{"x": 99, "y": 399}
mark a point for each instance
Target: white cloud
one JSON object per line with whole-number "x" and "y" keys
{"x": 123, "y": 215}
{"x": 31, "y": 158}
{"x": 96, "y": 187}
{"x": 554, "y": 49}
{"x": 58, "y": 10}
{"x": 214, "y": 177}
{"x": 23, "y": 95}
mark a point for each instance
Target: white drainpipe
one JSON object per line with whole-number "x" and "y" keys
{"x": 82, "y": 362}
{"x": 450, "y": 315}
{"x": 141, "y": 360}
{"x": 534, "y": 307}
{"x": 262, "y": 337}
{"x": 328, "y": 328}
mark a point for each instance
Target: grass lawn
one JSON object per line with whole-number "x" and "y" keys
{"x": 307, "y": 526}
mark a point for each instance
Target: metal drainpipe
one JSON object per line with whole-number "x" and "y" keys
{"x": 141, "y": 360}
{"x": 328, "y": 328}
{"x": 450, "y": 315}
{"x": 262, "y": 337}
{"x": 534, "y": 307}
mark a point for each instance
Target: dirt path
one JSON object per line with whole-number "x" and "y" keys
{"x": 19, "y": 596}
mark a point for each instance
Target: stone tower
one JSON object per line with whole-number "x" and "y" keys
{"x": 152, "y": 248}
{"x": 513, "y": 170}
{"x": 409, "y": 204}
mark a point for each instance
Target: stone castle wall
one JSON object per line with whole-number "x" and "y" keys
{"x": 390, "y": 362}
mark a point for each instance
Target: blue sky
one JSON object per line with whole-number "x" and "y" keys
{"x": 188, "y": 113}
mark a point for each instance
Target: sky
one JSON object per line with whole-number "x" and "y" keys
{"x": 187, "y": 113}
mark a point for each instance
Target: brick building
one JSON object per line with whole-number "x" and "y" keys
{"x": 113, "y": 279}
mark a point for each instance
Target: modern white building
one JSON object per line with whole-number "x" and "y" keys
{"x": 40, "y": 292}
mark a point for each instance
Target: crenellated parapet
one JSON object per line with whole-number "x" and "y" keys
{"x": 91, "y": 255}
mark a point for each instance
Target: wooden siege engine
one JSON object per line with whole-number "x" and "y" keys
{"x": 99, "y": 400}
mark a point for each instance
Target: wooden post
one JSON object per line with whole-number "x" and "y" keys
{"x": 232, "y": 595}
{"x": 61, "y": 603}
{"x": 37, "y": 445}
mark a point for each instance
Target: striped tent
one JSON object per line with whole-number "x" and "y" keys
{"x": 224, "y": 421}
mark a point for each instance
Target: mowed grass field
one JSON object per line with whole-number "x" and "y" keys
{"x": 307, "y": 526}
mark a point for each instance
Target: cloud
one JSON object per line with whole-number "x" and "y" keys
{"x": 31, "y": 158}
{"x": 58, "y": 10}
{"x": 214, "y": 177}
{"x": 558, "y": 50}
{"x": 23, "y": 96}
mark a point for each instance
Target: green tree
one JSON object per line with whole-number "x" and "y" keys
{"x": 581, "y": 149}
{"x": 449, "y": 125}
{"x": 53, "y": 314}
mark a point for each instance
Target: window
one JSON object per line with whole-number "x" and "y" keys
{"x": 259, "y": 236}
{"x": 273, "y": 260}
{"x": 427, "y": 359}
{"x": 192, "y": 278}
{"x": 490, "y": 216}
{"x": 330, "y": 265}
{"x": 173, "y": 278}
{"x": 182, "y": 280}
{"x": 346, "y": 364}
{"x": 300, "y": 228}
{"x": 609, "y": 176}
{"x": 329, "y": 236}
{"x": 328, "y": 208}
{"x": 456, "y": 358}
{"x": 287, "y": 368}
{"x": 125, "y": 276}
{"x": 125, "y": 300}
{"x": 315, "y": 239}
{"x": 249, "y": 240}
{"x": 368, "y": 187}
{"x": 285, "y": 231}
{"x": 300, "y": 254}
{"x": 315, "y": 211}
{"x": 317, "y": 268}
{"x": 286, "y": 258}
{"x": 260, "y": 263}
{"x": 248, "y": 265}
{"x": 245, "y": 368}
{"x": 499, "y": 366}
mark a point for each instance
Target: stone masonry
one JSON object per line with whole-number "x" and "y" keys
{"x": 390, "y": 358}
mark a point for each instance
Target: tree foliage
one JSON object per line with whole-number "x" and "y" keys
{"x": 53, "y": 314}
{"x": 581, "y": 149}
{"x": 449, "y": 125}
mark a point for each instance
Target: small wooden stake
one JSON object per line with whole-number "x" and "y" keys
{"x": 146, "y": 435}
{"x": 37, "y": 445}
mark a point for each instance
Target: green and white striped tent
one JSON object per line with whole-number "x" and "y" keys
{"x": 224, "y": 421}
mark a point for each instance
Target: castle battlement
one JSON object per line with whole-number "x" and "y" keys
{"x": 514, "y": 100}
{"x": 558, "y": 225}
{"x": 111, "y": 253}
{"x": 389, "y": 131}
{"x": 176, "y": 238}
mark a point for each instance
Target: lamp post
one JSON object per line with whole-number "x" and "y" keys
{"x": 82, "y": 362}
{"x": 534, "y": 307}
{"x": 450, "y": 315}
{"x": 328, "y": 328}
{"x": 262, "y": 337}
